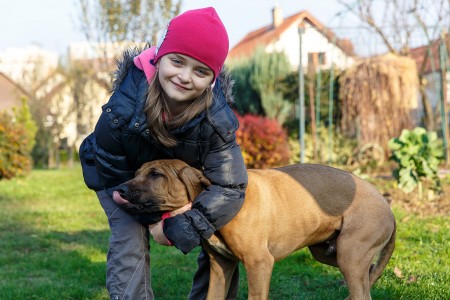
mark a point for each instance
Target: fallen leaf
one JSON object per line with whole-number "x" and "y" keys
{"x": 406, "y": 219}
{"x": 412, "y": 278}
{"x": 398, "y": 272}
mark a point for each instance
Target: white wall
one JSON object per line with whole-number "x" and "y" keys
{"x": 28, "y": 65}
{"x": 312, "y": 41}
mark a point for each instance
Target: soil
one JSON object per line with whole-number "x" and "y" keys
{"x": 429, "y": 205}
{"x": 440, "y": 205}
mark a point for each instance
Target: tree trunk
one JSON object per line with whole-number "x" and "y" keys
{"x": 70, "y": 152}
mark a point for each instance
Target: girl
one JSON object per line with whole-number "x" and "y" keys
{"x": 169, "y": 101}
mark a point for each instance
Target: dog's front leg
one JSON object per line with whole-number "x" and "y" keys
{"x": 259, "y": 268}
{"x": 221, "y": 272}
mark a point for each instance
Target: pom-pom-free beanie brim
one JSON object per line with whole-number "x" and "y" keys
{"x": 197, "y": 33}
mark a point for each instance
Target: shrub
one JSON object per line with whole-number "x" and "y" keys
{"x": 263, "y": 142}
{"x": 418, "y": 154}
{"x": 22, "y": 115}
{"x": 14, "y": 155}
{"x": 341, "y": 148}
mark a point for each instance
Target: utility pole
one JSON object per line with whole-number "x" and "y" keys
{"x": 301, "y": 95}
{"x": 443, "y": 59}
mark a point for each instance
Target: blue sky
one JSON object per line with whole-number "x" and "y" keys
{"x": 52, "y": 24}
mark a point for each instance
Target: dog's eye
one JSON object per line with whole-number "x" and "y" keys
{"x": 155, "y": 174}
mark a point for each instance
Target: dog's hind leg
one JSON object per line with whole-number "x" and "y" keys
{"x": 259, "y": 268}
{"x": 385, "y": 255}
{"x": 354, "y": 258}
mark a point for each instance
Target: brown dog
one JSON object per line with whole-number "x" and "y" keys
{"x": 342, "y": 219}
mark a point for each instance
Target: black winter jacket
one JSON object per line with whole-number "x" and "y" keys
{"x": 121, "y": 143}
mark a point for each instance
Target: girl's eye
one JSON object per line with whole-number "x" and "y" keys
{"x": 202, "y": 72}
{"x": 176, "y": 61}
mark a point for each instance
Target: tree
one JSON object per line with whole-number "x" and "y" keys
{"x": 52, "y": 112}
{"x": 248, "y": 100}
{"x": 87, "y": 91}
{"x": 58, "y": 106}
{"x": 117, "y": 21}
{"x": 268, "y": 69}
{"x": 258, "y": 84}
{"x": 22, "y": 115}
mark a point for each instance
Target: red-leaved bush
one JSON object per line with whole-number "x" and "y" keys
{"x": 264, "y": 143}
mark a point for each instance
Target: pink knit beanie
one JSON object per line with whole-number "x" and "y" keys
{"x": 199, "y": 34}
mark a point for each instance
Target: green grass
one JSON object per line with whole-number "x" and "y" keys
{"x": 54, "y": 238}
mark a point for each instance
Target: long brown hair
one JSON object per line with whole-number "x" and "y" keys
{"x": 160, "y": 122}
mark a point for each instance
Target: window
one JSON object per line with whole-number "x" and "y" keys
{"x": 316, "y": 59}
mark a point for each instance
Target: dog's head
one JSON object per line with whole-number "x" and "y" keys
{"x": 159, "y": 186}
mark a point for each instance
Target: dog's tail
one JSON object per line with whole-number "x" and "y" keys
{"x": 383, "y": 258}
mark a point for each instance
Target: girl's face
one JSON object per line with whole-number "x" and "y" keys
{"x": 183, "y": 79}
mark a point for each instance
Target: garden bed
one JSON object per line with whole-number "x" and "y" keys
{"x": 429, "y": 205}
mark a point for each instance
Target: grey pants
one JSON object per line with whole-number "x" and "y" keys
{"x": 128, "y": 260}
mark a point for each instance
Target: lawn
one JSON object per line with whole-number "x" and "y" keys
{"x": 54, "y": 238}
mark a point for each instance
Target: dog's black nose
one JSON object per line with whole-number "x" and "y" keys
{"x": 123, "y": 190}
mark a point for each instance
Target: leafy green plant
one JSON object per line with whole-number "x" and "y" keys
{"x": 418, "y": 154}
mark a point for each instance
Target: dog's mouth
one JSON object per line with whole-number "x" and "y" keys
{"x": 118, "y": 198}
{"x": 133, "y": 208}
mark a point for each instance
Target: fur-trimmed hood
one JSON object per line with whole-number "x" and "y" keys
{"x": 126, "y": 61}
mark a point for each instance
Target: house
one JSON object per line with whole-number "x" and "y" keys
{"x": 73, "y": 105}
{"x": 69, "y": 99}
{"x": 320, "y": 46}
{"x": 29, "y": 65}
{"x": 11, "y": 93}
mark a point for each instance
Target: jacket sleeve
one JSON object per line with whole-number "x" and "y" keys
{"x": 219, "y": 203}
{"x": 87, "y": 152}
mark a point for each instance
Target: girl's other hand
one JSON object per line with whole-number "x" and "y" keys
{"x": 181, "y": 210}
{"x": 156, "y": 230}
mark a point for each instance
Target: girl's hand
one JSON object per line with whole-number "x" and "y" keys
{"x": 181, "y": 210}
{"x": 156, "y": 230}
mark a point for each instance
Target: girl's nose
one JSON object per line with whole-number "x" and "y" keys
{"x": 185, "y": 76}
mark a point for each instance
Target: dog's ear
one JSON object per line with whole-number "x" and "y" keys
{"x": 194, "y": 180}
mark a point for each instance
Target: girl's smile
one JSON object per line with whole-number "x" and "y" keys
{"x": 180, "y": 87}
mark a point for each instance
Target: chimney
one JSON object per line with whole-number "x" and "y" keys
{"x": 277, "y": 16}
